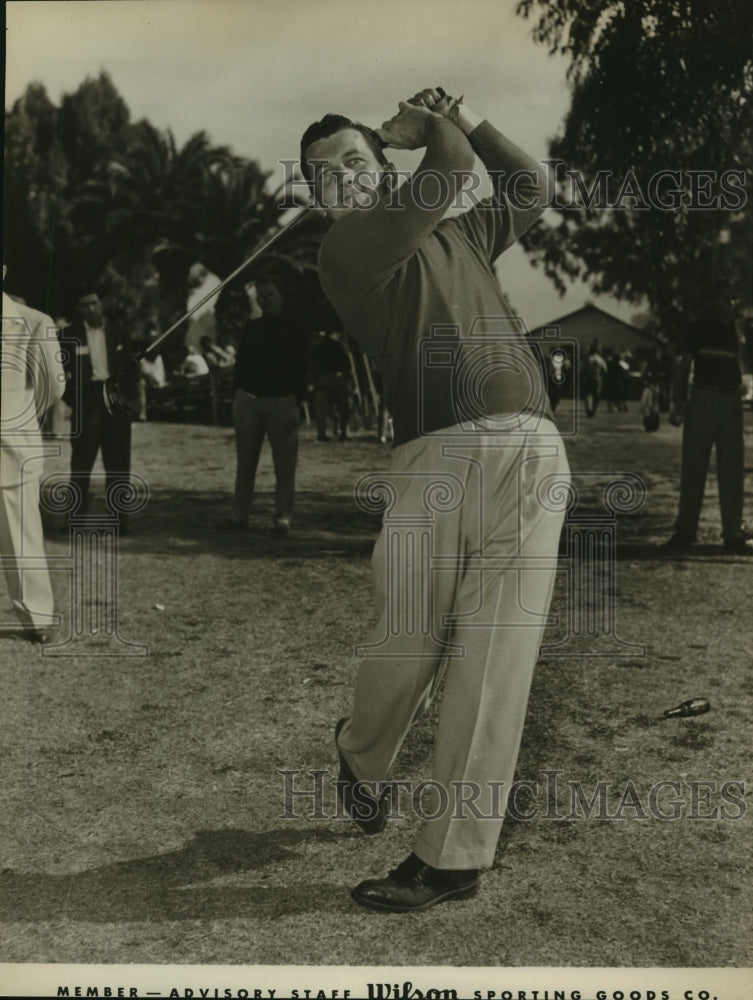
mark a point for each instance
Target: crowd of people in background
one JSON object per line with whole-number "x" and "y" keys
{"x": 614, "y": 377}
{"x": 697, "y": 385}
{"x": 604, "y": 378}
{"x": 332, "y": 380}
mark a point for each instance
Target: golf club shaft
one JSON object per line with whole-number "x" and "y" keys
{"x": 242, "y": 267}
{"x": 112, "y": 388}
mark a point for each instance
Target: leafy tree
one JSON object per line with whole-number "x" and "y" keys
{"x": 155, "y": 191}
{"x": 91, "y": 196}
{"x": 34, "y": 209}
{"x": 94, "y": 122}
{"x": 52, "y": 156}
{"x": 237, "y": 211}
{"x": 657, "y": 86}
{"x": 154, "y": 198}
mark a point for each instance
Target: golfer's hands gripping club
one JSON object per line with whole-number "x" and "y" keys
{"x": 407, "y": 129}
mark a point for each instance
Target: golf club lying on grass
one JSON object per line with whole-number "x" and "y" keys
{"x": 112, "y": 387}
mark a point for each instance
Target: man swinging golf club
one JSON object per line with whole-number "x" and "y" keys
{"x": 475, "y": 457}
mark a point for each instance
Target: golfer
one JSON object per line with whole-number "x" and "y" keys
{"x": 476, "y": 457}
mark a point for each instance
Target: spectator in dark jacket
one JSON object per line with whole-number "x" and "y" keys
{"x": 270, "y": 382}
{"x": 101, "y": 350}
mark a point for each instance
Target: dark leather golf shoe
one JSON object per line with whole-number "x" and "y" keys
{"x": 415, "y": 886}
{"x": 370, "y": 813}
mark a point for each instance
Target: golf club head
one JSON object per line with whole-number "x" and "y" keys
{"x": 113, "y": 397}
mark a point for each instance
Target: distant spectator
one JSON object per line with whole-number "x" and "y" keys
{"x": 613, "y": 378}
{"x": 624, "y": 384}
{"x": 154, "y": 372}
{"x": 270, "y": 382}
{"x": 651, "y": 377}
{"x": 216, "y": 356}
{"x": 331, "y": 369}
{"x": 592, "y": 373}
{"x": 103, "y": 348}
{"x": 707, "y": 400}
{"x": 194, "y": 363}
{"x": 385, "y": 428}
{"x": 152, "y": 369}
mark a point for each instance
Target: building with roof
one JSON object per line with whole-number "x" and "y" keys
{"x": 591, "y": 323}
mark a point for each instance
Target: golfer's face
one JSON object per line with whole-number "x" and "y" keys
{"x": 347, "y": 173}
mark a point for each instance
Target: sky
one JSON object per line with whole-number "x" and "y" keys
{"x": 254, "y": 73}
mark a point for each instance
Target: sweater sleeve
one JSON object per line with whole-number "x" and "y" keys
{"x": 521, "y": 191}
{"x": 366, "y": 247}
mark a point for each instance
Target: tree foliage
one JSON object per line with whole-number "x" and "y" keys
{"x": 653, "y": 199}
{"x": 90, "y": 196}
{"x": 35, "y": 176}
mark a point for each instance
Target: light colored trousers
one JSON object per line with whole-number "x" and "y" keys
{"x": 23, "y": 556}
{"x": 464, "y": 569}
{"x": 253, "y": 417}
{"x": 713, "y": 417}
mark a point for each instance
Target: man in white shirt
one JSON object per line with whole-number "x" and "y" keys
{"x": 100, "y": 350}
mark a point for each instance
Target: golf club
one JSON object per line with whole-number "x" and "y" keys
{"x": 112, "y": 387}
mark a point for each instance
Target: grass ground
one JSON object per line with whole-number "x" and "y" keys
{"x": 142, "y": 798}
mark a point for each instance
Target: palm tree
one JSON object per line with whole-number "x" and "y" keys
{"x": 237, "y": 214}
{"x": 158, "y": 188}
{"x": 156, "y": 194}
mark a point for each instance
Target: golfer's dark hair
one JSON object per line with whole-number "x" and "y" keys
{"x": 330, "y": 125}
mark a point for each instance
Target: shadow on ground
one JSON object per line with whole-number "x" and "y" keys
{"x": 178, "y": 522}
{"x": 162, "y": 887}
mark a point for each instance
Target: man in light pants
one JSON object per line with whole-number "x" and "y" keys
{"x": 465, "y": 563}
{"x": 32, "y": 380}
{"x": 270, "y": 382}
